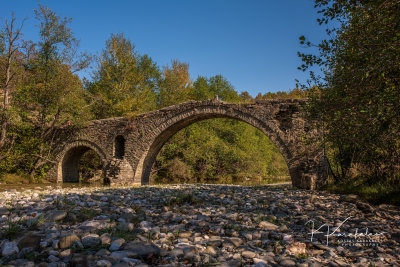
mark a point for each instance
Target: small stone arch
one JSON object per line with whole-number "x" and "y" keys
{"x": 184, "y": 119}
{"x": 68, "y": 159}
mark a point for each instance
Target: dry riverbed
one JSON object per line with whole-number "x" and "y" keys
{"x": 194, "y": 225}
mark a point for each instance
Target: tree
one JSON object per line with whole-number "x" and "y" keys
{"x": 201, "y": 90}
{"x": 358, "y": 97}
{"x": 51, "y": 94}
{"x": 175, "y": 85}
{"x": 10, "y": 44}
{"x": 220, "y": 86}
{"x": 208, "y": 88}
{"x": 124, "y": 82}
{"x": 246, "y": 96}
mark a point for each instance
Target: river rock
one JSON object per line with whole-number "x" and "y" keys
{"x": 80, "y": 260}
{"x": 142, "y": 250}
{"x": 105, "y": 239}
{"x": 67, "y": 241}
{"x": 296, "y": 248}
{"x": 56, "y": 215}
{"x": 125, "y": 226}
{"x": 268, "y": 226}
{"x": 116, "y": 244}
{"x": 29, "y": 240}
{"x": 90, "y": 240}
{"x": 9, "y": 248}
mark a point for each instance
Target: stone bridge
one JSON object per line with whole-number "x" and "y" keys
{"x": 128, "y": 146}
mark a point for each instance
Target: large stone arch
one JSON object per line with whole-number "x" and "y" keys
{"x": 143, "y": 136}
{"x": 171, "y": 126}
{"x": 68, "y": 159}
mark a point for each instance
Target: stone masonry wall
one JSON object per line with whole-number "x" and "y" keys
{"x": 281, "y": 120}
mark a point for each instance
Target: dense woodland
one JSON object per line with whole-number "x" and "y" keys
{"x": 355, "y": 100}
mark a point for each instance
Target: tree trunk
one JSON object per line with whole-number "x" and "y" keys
{"x": 4, "y": 124}
{"x": 13, "y": 36}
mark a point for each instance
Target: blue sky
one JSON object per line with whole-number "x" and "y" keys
{"x": 253, "y": 43}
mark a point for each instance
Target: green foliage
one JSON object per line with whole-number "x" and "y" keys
{"x": 90, "y": 166}
{"x": 36, "y": 223}
{"x": 218, "y": 150}
{"x": 124, "y": 82}
{"x": 181, "y": 198}
{"x": 296, "y": 93}
{"x": 13, "y": 230}
{"x": 85, "y": 214}
{"x": 19, "y": 155}
{"x": 11, "y": 178}
{"x": 357, "y": 100}
{"x": 48, "y": 95}
{"x": 175, "y": 85}
{"x": 208, "y": 88}
{"x": 302, "y": 256}
{"x": 369, "y": 189}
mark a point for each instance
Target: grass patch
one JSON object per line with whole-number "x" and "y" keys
{"x": 12, "y": 178}
{"x": 35, "y": 223}
{"x": 17, "y": 228}
{"x": 13, "y": 230}
{"x": 277, "y": 179}
{"x": 114, "y": 232}
{"x": 85, "y": 214}
{"x": 375, "y": 192}
{"x": 181, "y": 198}
{"x": 302, "y": 256}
